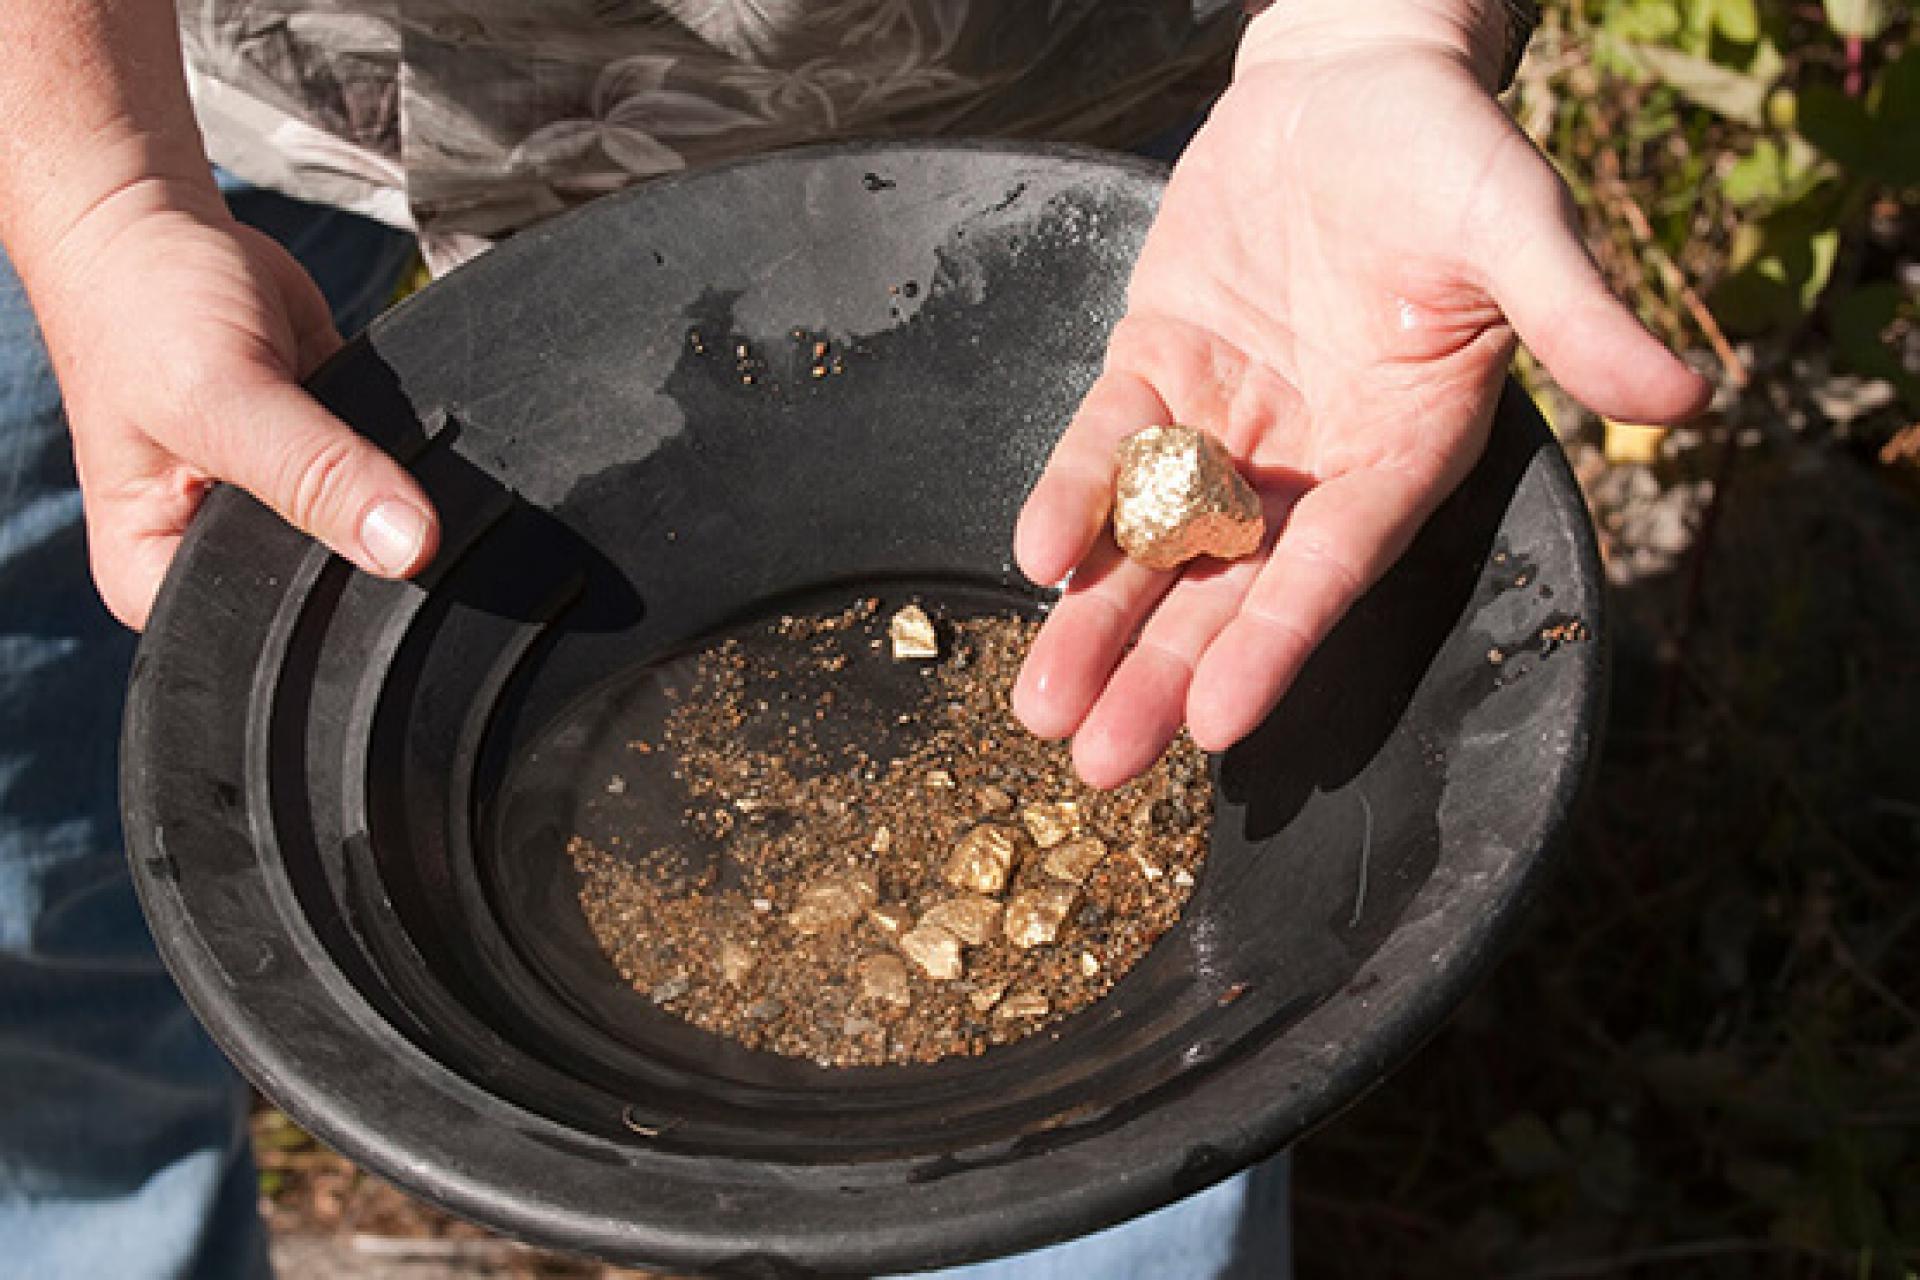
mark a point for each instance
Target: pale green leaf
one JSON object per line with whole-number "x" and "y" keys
{"x": 1826, "y": 250}
{"x": 1642, "y": 19}
{"x": 1759, "y": 176}
{"x": 1737, "y": 95}
{"x": 1863, "y": 18}
{"x": 1773, "y": 173}
{"x": 1738, "y": 20}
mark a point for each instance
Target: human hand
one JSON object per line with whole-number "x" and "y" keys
{"x": 1332, "y": 287}
{"x": 179, "y": 336}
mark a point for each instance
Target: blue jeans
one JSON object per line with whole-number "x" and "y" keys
{"x": 123, "y": 1148}
{"x": 122, "y": 1130}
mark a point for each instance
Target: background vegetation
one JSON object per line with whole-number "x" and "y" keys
{"x": 1704, "y": 1058}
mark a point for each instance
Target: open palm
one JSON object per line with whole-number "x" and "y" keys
{"x": 1333, "y": 287}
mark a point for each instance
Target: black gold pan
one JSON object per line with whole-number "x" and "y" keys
{"x": 349, "y": 841}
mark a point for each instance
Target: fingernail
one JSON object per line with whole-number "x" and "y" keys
{"x": 393, "y": 533}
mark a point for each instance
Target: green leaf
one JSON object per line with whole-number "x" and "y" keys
{"x": 1896, "y": 116}
{"x": 1737, "y": 95}
{"x": 1780, "y": 265}
{"x": 1642, "y": 19}
{"x": 1738, "y": 20}
{"x": 1860, "y": 320}
{"x": 1840, "y": 126}
{"x": 1764, "y": 175}
{"x": 1863, "y": 18}
{"x": 1824, "y": 251}
{"x": 1874, "y": 138}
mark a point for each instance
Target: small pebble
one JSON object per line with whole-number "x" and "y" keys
{"x": 884, "y": 978}
{"x": 735, "y": 961}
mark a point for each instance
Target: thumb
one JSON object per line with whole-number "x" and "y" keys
{"x": 277, "y": 443}
{"x": 1546, "y": 282}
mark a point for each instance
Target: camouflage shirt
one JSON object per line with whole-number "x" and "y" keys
{"x": 467, "y": 119}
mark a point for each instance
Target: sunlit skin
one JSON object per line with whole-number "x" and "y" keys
{"x": 189, "y": 332}
{"x": 1333, "y": 286}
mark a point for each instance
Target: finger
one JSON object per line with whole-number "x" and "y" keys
{"x": 1546, "y": 282}
{"x": 131, "y": 584}
{"x": 1339, "y": 539}
{"x": 129, "y": 563}
{"x": 139, "y": 501}
{"x": 308, "y": 314}
{"x": 274, "y": 440}
{"x": 1083, "y": 638}
{"x": 1063, "y": 515}
{"x": 1144, "y": 702}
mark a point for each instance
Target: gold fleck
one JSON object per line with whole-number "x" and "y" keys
{"x": 912, "y": 633}
{"x": 1023, "y": 1004}
{"x": 934, "y": 950}
{"x": 1035, "y": 916}
{"x": 1049, "y": 824}
{"x": 1089, "y": 964}
{"x": 983, "y": 858}
{"x": 972, "y": 919}
{"x": 833, "y": 902}
{"x": 891, "y": 920}
{"x": 1075, "y": 860}
{"x": 987, "y": 996}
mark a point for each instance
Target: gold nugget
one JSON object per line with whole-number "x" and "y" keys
{"x": 1176, "y": 496}
{"x": 913, "y": 634}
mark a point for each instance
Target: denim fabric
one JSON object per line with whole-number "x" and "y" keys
{"x": 1238, "y": 1230}
{"x": 122, "y": 1130}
